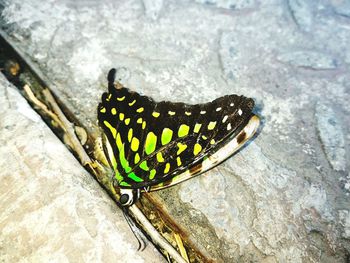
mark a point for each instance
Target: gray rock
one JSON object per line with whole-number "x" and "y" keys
{"x": 302, "y": 13}
{"x": 344, "y": 216}
{"x": 285, "y": 196}
{"x": 153, "y": 8}
{"x": 230, "y": 55}
{"x": 230, "y": 4}
{"x": 309, "y": 59}
{"x": 342, "y": 7}
{"x": 331, "y": 134}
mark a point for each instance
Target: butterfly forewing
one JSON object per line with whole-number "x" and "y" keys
{"x": 217, "y": 140}
{"x": 121, "y": 116}
{"x": 155, "y": 142}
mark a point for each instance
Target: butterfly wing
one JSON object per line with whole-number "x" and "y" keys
{"x": 121, "y": 115}
{"x": 158, "y": 144}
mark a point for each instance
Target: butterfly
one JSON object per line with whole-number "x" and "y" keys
{"x": 153, "y": 145}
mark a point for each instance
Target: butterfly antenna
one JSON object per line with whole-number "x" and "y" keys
{"x": 111, "y": 78}
{"x": 139, "y": 237}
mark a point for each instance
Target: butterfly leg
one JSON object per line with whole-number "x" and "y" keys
{"x": 138, "y": 194}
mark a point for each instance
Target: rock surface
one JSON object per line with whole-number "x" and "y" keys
{"x": 286, "y": 196}
{"x": 52, "y": 210}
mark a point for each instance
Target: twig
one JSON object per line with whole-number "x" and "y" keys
{"x": 154, "y": 234}
{"x": 181, "y": 247}
{"x": 41, "y": 105}
{"x": 69, "y": 128}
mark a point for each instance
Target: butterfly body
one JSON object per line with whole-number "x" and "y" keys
{"x": 152, "y": 145}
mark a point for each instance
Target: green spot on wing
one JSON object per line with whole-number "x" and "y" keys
{"x": 144, "y": 166}
{"x": 152, "y": 174}
{"x": 124, "y": 162}
{"x": 110, "y": 127}
{"x": 183, "y": 130}
{"x": 178, "y": 160}
{"x": 135, "y": 144}
{"x": 150, "y": 144}
{"x": 155, "y": 114}
{"x": 211, "y": 125}
{"x": 167, "y": 168}
{"x": 124, "y": 184}
{"x": 137, "y": 158}
{"x": 197, "y": 148}
{"x": 160, "y": 157}
{"x": 167, "y": 134}
{"x": 181, "y": 147}
{"x": 118, "y": 176}
{"x": 197, "y": 127}
{"x": 134, "y": 177}
{"x": 130, "y": 134}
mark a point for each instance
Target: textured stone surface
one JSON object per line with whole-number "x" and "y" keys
{"x": 52, "y": 210}
{"x": 332, "y": 137}
{"x": 230, "y": 4}
{"x": 286, "y": 196}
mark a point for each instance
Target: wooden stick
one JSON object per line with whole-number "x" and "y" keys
{"x": 69, "y": 128}
{"x": 41, "y": 105}
{"x": 181, "y": 247}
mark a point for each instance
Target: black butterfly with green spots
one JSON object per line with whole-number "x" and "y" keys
{"x": 152, "y": 145}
